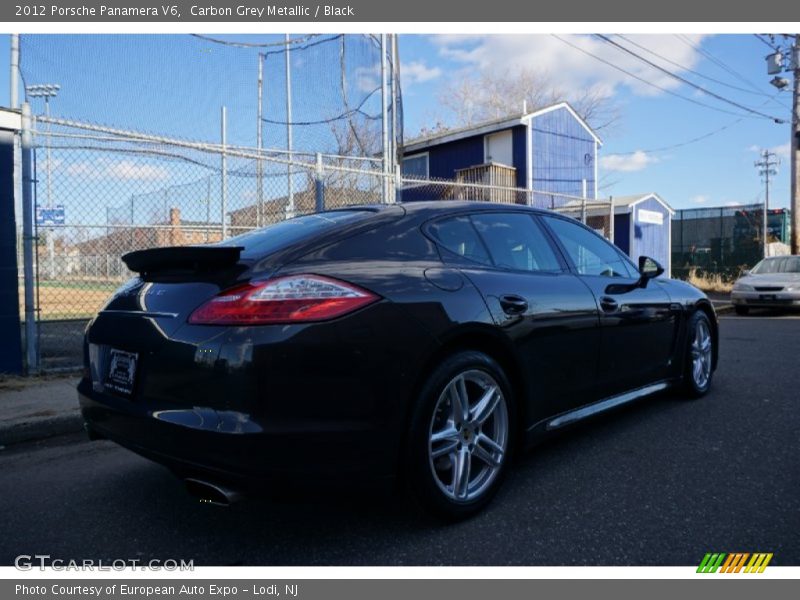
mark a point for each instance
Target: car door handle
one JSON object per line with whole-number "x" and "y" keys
{"x": 513, "y": 304}
{"x": 608, "y": 304}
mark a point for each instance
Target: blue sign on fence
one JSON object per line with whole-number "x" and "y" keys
{"x": 50, "y": 215}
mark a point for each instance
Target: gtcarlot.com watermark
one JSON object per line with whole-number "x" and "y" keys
{"x": 29, "y": 562}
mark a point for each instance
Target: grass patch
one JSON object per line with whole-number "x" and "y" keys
{"x": 709, "y": 282}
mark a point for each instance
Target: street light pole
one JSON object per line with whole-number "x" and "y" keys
{"x": 47, "y": 91}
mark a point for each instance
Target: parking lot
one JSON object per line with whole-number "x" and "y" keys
{"x": 659, "y": 483}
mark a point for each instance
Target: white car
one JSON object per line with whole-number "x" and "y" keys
{"x": 772, "y": 283}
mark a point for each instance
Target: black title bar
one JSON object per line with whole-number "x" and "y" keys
{"x": 263, "y": 11}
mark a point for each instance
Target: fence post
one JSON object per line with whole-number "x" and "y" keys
{"x": 31, "y": 323}
{"x": 611, "y": 220}
{"x": 224, "y": 178}
{"x": 398, "y": 184}
{"x": 583, "y": 210}
{"x": 319, "y": 186}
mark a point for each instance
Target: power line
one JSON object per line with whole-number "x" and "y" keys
{"x": 716, "y": 61}
{"x": 699, "y": 74}
{"x": 693, "y": 140}
{"x": 647, "y": 82}
{"x": 688, "y": 82}
{"x": 769, "y": 45}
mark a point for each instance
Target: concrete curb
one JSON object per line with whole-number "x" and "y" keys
{"x": 40, "y": 428}
{"x": 38, "y": 409}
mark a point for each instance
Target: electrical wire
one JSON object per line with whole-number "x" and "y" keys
{"x": 716, "y": 61}
{"x": 693, "y": 140}
{"x": 688, "y": 82}
{"x": 758, "y": 36}
{"x": 647, "y": 82}
{"x": 698, "y": 74}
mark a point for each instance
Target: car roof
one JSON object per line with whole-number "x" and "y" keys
{"x": 436, "y": 207}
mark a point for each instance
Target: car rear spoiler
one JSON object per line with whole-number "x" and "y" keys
{"x": 192, "y": 258}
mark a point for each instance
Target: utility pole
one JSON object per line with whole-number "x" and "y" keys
{"x": 259, "y": 143}
{"x": 795, "y": 148}
{"x": 13, "y": 78}
{"x": 384, "y": 121}
{"x": 290, "y": 208}
{"x": 777, "y": 64}
{"x": 766, "y": 168}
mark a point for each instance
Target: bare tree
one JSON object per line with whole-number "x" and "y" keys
{"x": 489, "y": 94}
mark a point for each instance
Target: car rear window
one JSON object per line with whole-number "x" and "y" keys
{"x": 458, "y": 235}
{"x": 264, "y": 241}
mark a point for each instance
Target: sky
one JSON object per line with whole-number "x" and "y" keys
{"x": 648, "y": 149}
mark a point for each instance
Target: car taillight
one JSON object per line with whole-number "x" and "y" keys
{"x": 289, "y": 299}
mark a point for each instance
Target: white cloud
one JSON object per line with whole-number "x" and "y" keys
{"x": 106, "y": 168}
{"x": 417, "y": 71}
{"x": 127, "y": 169}
{"x": 782, "y": 150}
{"x": 627, "y": 163}
{"x": 699, "y": 199}
{"x": 569, "y": 68}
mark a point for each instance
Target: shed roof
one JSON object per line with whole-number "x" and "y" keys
{"x": 623, "y": 203}
{"x": 451, "y": 135}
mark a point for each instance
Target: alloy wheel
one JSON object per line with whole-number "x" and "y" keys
{"x": 468, "y": 435}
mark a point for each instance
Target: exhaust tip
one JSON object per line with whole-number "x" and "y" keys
{"x": 211, "y": 493}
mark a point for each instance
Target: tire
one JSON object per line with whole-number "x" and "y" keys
{"x": 742, "y": 310}
{"x": 699, "y": 362}
{"x": 478, "y": 446}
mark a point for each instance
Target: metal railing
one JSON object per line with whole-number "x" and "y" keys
{"x": 124, "y": 190}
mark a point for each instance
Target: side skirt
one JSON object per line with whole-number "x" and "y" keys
{"x": 551, "y": 424}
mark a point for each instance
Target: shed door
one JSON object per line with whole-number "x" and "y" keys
{"x": 498, "y": 148}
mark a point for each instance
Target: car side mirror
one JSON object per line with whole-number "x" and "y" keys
{"x": 649, "y": 268}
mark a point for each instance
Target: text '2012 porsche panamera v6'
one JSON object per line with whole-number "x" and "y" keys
{"x": 430, "y": 340}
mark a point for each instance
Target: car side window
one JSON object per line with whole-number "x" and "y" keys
{"x": 458, "y": 235}
{"x": 515, "y": 241}
{"x": 591, "y": 254}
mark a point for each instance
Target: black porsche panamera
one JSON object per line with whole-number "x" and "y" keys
{"x": 429, "y": 340}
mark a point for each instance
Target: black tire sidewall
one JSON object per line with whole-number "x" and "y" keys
{"x": 419, "y": 475}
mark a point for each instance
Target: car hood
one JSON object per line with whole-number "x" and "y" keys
{"x": 775, "y": 279}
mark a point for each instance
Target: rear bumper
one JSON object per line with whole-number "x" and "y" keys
{"x": 236, "y": 448}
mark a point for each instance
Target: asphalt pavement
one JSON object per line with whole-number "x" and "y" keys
{"x": 658, "y": 483}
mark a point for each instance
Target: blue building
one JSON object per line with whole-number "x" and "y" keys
{"x": 643, "y": 227}
{"x": 548, "y": 150}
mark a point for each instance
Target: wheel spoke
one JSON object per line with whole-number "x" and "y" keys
{"x": 446, "y": 434}
{"x": 486, "y": 405}
{"x": 459, "y": 400}
{"x": 461, "y": 473}
{"x": 446, "y": 448}
{"x": 488, "y": 451}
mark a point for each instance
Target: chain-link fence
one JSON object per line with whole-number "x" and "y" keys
{"x": 722, "y": 241}
{"x": 594, "y": 212}
{"x": 119, "y": 191}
